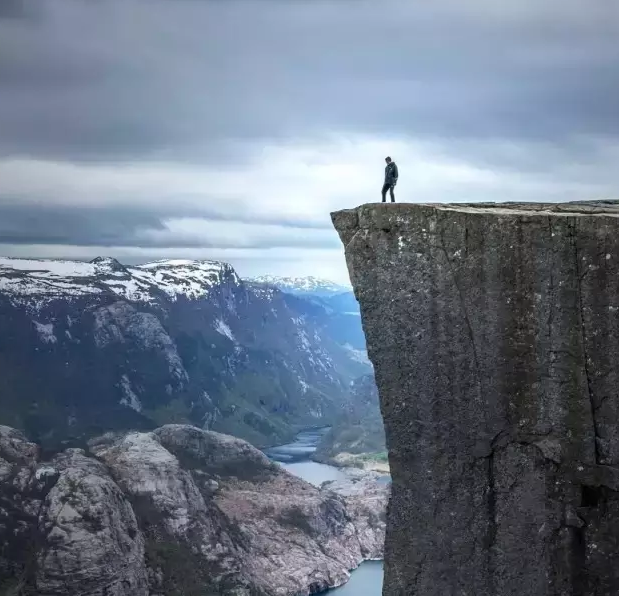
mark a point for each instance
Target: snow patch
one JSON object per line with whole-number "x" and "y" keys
{"x": 302, "y": 284}
{"x": 213, "y": 413}
{"x": 131, "y": 289}
{"x": 46, "y": 332}
{"x": 168, "y": 263}
{"x": 129, "y": 399}
{"x": 39, "y": 281}
{"x": 222, "y": 327}
{"x": 50, "y": 268}
{"x": 181, "y": 277}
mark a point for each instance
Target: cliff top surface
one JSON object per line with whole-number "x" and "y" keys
{"x": 605, "y": 207}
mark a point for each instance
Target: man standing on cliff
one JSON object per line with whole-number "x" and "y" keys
{"x": 391, "y": 179}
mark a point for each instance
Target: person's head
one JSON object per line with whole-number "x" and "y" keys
{"x": 388, "y": 159}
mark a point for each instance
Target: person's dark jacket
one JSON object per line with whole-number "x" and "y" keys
{"x": 391, "y": 174}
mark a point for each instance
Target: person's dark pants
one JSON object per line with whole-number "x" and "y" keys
{"x": 388, "y": 187}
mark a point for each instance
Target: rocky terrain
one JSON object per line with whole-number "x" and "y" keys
{"x": 178, "y": 510}
{"x": 494, "y": 334}
{"x": 91, "y": 347}
{"x": 357, "y": 435}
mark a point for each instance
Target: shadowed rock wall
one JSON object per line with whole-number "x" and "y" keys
{"x": 494, "y": 333}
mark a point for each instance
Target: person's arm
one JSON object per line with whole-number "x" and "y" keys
{"x": 395, "y": 174}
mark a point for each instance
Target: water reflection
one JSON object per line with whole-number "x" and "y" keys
{"x": 303, "y": 446}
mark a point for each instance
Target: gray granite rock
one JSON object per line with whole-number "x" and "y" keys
{"x": 178, "y": 510}
{"x": 92, "y": 544}
{"x": 65, "y": 526}
{"x": 494, "y": 334}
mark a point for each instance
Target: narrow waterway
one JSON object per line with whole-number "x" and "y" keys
{"x": 367, "y": 580}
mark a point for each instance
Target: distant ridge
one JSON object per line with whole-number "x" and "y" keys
{"x": 303, "y": 285}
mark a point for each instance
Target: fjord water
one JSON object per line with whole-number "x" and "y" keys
{"x": 295, "y": 457}
{"x": 367, "y": 580}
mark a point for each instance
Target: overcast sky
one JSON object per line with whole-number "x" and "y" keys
{"x": 229, "y": 129}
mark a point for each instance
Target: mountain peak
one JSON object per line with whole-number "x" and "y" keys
{"x": 181, "y": 263}
{"x": 108, "y": 264}
{"x": 40, "y": 281}
{"x": 303, "y": 285}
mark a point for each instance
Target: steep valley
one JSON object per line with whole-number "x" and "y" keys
{"x": 91, "y": 347}
{"x": 125, "y": 396}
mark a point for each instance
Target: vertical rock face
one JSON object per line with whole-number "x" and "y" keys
{"x": 494, "y": 333}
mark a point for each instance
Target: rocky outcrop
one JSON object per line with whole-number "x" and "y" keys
{"x": 178, "y": 510}
{"x": 494, "y": 334}
{"x": 91, "y": 347}
{"x": 65, "y": 526}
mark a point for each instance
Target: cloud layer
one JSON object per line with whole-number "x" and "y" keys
{"x": 229, "y": 129}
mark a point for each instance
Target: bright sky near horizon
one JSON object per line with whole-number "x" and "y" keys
{"x": 229, "y": 129}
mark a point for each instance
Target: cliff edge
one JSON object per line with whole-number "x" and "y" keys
{"x": 494, "y": 334}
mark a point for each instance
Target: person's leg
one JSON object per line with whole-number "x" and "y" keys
{"x": 384, "y": 192}
{"x": 392, "y": 195}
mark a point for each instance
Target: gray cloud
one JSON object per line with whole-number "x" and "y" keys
{"x": 190, "y": 79}
{"x": 524, "y": 90}
{"x": 109, "y": 227}
{"x": 69, "y": 226}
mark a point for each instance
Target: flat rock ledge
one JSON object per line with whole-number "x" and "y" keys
{"x": 494, "y": 334}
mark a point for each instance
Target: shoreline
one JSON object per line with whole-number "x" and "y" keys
{"x": 350, "y": 572}
{"x": 351, "y": 461}
{"x": 354, "y": 482}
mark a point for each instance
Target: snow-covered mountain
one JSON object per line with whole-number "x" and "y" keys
{"x": 88, "y": 347}
{"x": 303, "y": 285}
{"x": 37, "y": 282}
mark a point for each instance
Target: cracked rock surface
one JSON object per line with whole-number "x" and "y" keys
{"x": 179, "y": 510}
{"x": 494, "y": 334}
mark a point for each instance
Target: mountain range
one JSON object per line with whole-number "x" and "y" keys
{"x": 304, "y": 286}
{"x": 91, "y": 347}
{"x": 344, "y": 322}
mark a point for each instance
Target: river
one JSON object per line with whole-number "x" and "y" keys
{"x": 367, "y": 580}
